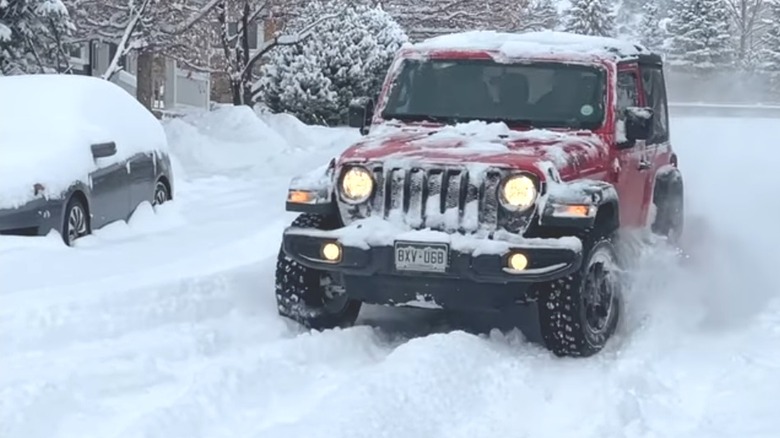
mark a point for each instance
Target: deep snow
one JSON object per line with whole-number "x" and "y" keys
{"x": 167, "y": 326}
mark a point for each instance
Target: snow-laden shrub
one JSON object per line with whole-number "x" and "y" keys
{"x": 345, "y": 57}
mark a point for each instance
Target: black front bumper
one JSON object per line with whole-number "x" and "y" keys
{"x": 472, "y": 278}
{"x": 35, "y": 218}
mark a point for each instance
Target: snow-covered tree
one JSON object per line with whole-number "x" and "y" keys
{"x": 145, "y": 27}
{"x": 541, "y": 15}
{"x": 590, "y": 17}
{"x": 426, "y": 18}
{"x": 32, "y": 34}
{"x": 651, "y": 33}
{"x": 770, "y": 54}
{"x": 700, "y": 35}
{"x": 747, "y": 19}
{"x": 344, "y": 58}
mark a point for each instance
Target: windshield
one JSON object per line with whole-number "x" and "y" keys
{"x": 537, "y": 95}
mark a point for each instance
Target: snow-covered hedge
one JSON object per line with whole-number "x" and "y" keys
{"x": 346, "y": 57}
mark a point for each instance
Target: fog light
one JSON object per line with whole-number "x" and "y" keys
{"x": 331, "y": 251}
{"x": 518, "y": 262}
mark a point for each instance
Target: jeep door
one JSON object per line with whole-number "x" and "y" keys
{"x": 630, "y": 160}
{"x": 658, "y": 147}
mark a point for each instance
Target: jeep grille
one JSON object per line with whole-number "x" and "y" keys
{"x": 452, "y": 199}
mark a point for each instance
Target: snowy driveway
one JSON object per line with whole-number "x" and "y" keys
{"x": 167, "y": 327}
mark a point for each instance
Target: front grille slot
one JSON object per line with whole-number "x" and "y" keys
{"x": 445, "y": 199}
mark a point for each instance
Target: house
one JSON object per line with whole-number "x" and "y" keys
{"x": 174, "y": 87}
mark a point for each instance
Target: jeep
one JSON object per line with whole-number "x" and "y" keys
{"x": 493, "y": 170}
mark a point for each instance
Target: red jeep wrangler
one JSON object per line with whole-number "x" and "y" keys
{"x": 495, "y": 170}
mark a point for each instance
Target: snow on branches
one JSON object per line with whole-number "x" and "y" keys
{"x": 31, "y": 36}
{"x": 343, "y": 58}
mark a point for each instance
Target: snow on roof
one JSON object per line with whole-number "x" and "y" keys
{"x": 48, "y": 123}
{"x": 516, "y": 45}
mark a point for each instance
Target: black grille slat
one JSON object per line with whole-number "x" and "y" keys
{"x": 415, "y": 196}
{"x": 451, "y": 199}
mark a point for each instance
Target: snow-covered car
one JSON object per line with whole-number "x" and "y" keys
{"x": 497, "y": 170}
{"x": 76, "y": 153}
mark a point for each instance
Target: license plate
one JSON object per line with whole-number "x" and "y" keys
{"x": 426, "y": 257}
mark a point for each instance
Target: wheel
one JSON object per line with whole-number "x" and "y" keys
{"x": 670, "y": 213}
{"x": 76, "y": 221}
{"x": 312, "y": 297}
{"x": 161, "y": 193}
{"x": 579, "y": 313}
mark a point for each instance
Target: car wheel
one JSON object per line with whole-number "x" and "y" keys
{"x": 579, "y": 313}
{"x": 76, "y": 223}
{"x": 311, "y": 297}
{"x": 161, "y": 193}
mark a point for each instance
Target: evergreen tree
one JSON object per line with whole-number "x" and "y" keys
{"x": 590, "y": 17}
{"x": 344, "y": 58}
{"x": 32, "y": 36}
{"x": 700, "y": 35}
{"x": 770, "y": 55}
{"x": 541, "y": 15}
{"x": 651, "y": 34}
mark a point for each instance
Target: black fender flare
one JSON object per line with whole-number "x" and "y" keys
{"x": 317, "y": 185}
{"x": 599, "y": 197}
{"x": 668, "y": 179}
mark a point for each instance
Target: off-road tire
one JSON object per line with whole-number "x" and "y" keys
{"x": 670, "y": 212}
{"x": 562, "y": 311}
{"x": 301, "y": 297}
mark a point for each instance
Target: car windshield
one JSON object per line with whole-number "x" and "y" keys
{"x": 536, "y": 94}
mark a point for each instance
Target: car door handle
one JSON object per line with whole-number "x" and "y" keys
{"x": 643, "y": 164}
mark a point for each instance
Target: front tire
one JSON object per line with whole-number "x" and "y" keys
{"x": 161, "y": 193}
{"x": 311, "y": 297}
{"x": 76, "y": 222}
{"x": 579, "y": 313}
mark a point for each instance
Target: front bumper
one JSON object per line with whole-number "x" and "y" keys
{"x": 35, "y": 218}
{"x": 476, "y": 263}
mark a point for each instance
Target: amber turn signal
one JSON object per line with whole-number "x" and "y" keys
{"x": 300, "y": 197}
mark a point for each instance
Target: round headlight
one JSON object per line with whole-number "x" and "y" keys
{"x": 357, "y": 184}
{"x": 518, "y": 192}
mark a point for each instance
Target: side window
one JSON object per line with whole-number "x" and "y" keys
{"x": 627, "y": 94}
{"x": 655, "y": 96}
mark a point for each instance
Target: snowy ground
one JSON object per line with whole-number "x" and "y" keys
{"x": 167, "y": 327}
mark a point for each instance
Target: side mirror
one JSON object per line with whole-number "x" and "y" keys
{"x": 639, "y": 123}
{"x": 102, "y": 150}
{"x": 361, "y": 110}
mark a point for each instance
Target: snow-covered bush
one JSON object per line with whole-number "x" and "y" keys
{"x": 346, "y": 57}
{"x": 700, "y": 35}
{"x": 32, "y": 34}
{"x": 590, "y": 17}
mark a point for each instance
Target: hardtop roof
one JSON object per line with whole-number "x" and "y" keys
{"x": 542, "y": 44}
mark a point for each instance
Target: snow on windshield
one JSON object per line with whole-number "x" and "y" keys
{"x": 538, "y": 94}
{"x": 49, "y": 123}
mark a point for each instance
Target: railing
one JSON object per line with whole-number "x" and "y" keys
{"x": 702, "y": 109}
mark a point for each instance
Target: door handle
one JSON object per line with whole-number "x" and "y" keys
{"x": 643, "y": 164}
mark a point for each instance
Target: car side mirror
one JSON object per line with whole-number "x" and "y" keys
{"x": 639, "y": 123}
{"x": 361, "y": 110}
{"x": 102, "y": 150}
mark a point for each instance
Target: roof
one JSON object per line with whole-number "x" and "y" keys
{"x": 537, "y": 44}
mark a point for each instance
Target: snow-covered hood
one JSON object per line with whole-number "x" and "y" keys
{"x": 478, "y": 143}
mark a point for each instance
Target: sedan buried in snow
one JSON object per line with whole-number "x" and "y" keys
{"x": 76, "y": 153}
